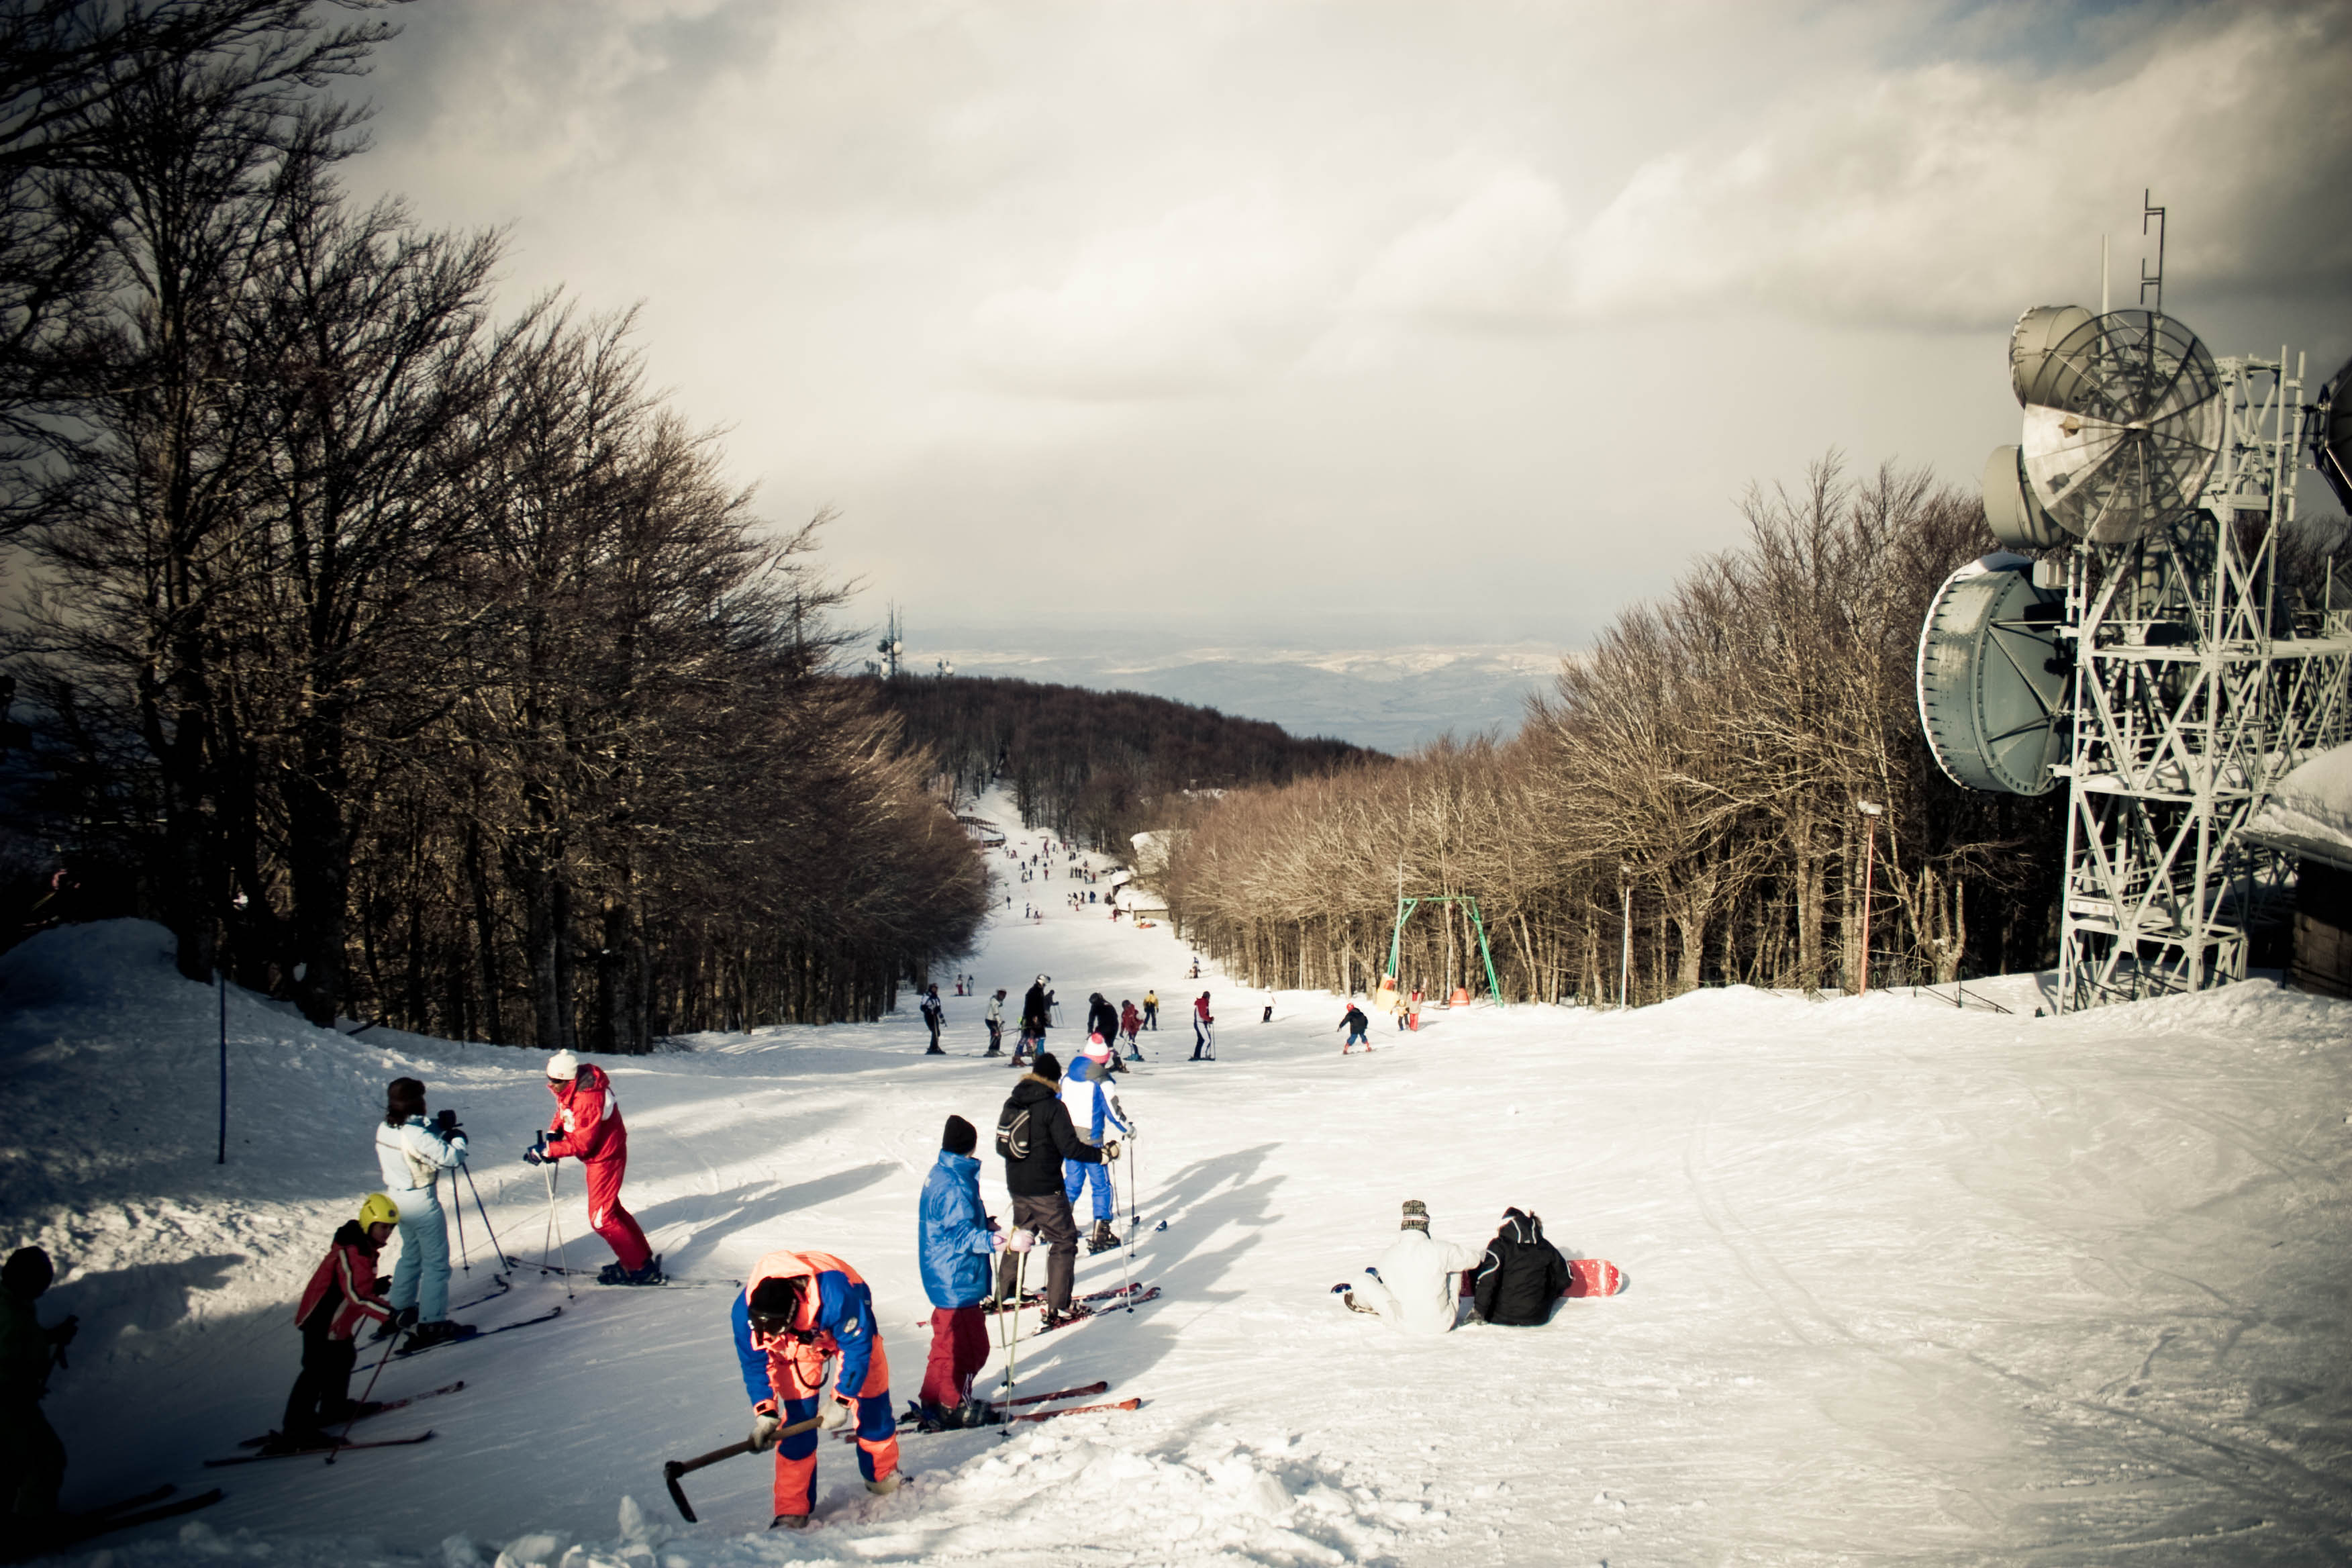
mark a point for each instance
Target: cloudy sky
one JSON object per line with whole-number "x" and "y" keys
{"x": 1358, "y": 322}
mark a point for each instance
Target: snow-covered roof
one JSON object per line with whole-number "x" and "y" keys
{"x": 2310, "y": 812}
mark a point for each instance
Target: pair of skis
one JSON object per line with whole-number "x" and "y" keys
{"x": 372, "y": 1408}
{"x": 71, "y": 1529}
{"x": 1003, "y": 1411}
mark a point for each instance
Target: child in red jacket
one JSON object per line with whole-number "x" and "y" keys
{"x": 342, "y": 1294}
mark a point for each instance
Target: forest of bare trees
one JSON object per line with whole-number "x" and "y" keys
{"x": 409, "y": 662}
{"x": 1695, "y": 775}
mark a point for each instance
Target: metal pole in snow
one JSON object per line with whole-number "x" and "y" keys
{"x": 221, "y": 981}
{"x": 1870, "y": 814}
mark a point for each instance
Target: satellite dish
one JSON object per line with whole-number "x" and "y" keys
{"x": 2136, "y": 429}
{"x": 2016, "y": 518}
{"x": 2331, "y": 438}
{"x": 2030, "y": 372}
{"x": 1993, "y": 678}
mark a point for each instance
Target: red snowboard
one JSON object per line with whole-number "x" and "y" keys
{"x": 1586, "y": 1276}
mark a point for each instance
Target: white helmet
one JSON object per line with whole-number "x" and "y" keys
{"x": 562, "y": 1068}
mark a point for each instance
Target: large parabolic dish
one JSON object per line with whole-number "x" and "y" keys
{"x": 2331, "y": 442}
{"x": 2133, "y": 429}
{"x": 1993, "y": 678}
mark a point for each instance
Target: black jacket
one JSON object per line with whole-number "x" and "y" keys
{"x": 1353, "y": 1019}
{"x": 1033, "y": 1014}
{"x": 1523, "y": 1275}
{"x": 1047, "y": 1136}
{"x": 1102, "y": 1018}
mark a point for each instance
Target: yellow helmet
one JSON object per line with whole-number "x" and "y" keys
{"x": 379, "y": 1210}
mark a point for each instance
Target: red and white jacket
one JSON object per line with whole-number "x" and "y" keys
{"x": 587, "y": 1123}
{"x": 345, "y": 1280}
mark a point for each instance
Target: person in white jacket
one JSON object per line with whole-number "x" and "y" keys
{"x": 1414, "y": 1288}
{"x": 996, "y": 1023}
{"x": 411, "y": 1153}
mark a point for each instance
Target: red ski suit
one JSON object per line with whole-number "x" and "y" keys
{"x": 348, "y": 1274}
{"x": 588, "y": 1128}
{"x": 787, "y": 1373}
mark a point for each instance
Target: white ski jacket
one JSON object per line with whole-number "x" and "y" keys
{"x": 411, "y": 1155}
{"x": 1415, "y": 1289}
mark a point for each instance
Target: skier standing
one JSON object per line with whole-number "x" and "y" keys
{"x": 1092, "y": 1109}
{"x": 1413, "y": 1286}
{"x": 1102, "y": 1018}
{"x": 1523, "y": 1276}
{"x": 996, "y": 1023}
{"x": 340, "y": 1296}
{"x": 799, "y": 1310}
{"x": 935, "y": 1013}
{"x": 1151, "y": 1011}
{"x": 955, "y": 1240}
{"x": 29, "y": 1448}
{"x": 1356, "y": 1024}
{"x": 1036, "y": 1014}
{"x": 1130, "y": 1024}
{"x": 587, "y": 1126}
{"x": 410, "y": 1154}
{"x": 1035, "y": 1135}
{"x": 1201, "y": 1024}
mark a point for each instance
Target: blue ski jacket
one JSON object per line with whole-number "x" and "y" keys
{"x": 836, "y": 1316}
{"x": 951, "y": 1233}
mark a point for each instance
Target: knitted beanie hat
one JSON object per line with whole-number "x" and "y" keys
{"x": 1416, "y": 1216}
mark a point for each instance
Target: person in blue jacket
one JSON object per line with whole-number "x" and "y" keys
{"x": 958, "y": 1242}
{"x": 1094, "y": 1110}
{"x": 800, "y": 1311}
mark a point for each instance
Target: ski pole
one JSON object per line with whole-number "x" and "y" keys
{"x": 555, "y": 1226}
{"x": 465, "y": 1255}
{"x": 504, "y": 1261}
{"x": 1013, "y": 1345}
{"x": 674, "y": 1468}
{"x": 1126, "y": 1284}
{"x": 1134, "y": 1180}
{"x": 344, "y": 1436}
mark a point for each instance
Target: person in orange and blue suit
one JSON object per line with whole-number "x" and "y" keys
{"x": 797, "y": 1311}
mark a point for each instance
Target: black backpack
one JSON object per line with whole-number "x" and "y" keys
{"x": 1013, "y": 1132}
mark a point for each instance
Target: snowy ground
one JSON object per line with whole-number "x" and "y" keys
{"x": 1905, "y": 1283}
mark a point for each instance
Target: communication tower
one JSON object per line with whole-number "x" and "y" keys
{"x": 2133, "y": 643}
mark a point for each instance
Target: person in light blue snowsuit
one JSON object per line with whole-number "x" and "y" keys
{"x": 411, "y": 1153}
{"x": 1093, "y": 1108}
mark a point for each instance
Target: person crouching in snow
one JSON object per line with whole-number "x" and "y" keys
{"x": 1413, "y": 1286}
{"x": 30, "y": 1449}
{"x": 587, "y": 1126}
{"x": 799, "y": 1310}
{"x": 1523, "y": 1276}
{"x": 1355, "y": 1022}
{"x": 410, "y": 1154}
{"x": 956, "y": 1243}
{"x": 1093, "y": 1110}
{"x": 340, "y": 1296}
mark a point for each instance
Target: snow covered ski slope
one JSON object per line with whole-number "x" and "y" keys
{"x": 1902, "y": 1283}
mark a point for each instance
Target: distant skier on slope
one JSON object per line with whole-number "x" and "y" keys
{"x": 955, "y": 1240}
{"x": 935, "y": 1014}
{"x": 1102, "y": 1018}
{"x": 341, "y": 1295}
{"x": 996, "y": 1023}
{"x": 587, "y": 1126}
{"x": 29, "y": 1447}
{"x": 1093, "y": 1110}
{"x": 1151, "y": 1011}
{"x": 1202, "y": 1024}
{"x": 1130, "y": 1024}
{"x": 410, "y": 1154}
{"x": 1036, "y": 1016}
{"x": 1034, "y": 1136}
{"x": 1356, "y": 1024}
{"x": 797, "y": 1311}
{"x": 1523, "y": 1276}
{"x": 1413, "y": 1286}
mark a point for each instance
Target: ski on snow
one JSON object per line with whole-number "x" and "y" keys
{"x": 909, "y": 1427}
{"x": 317, "y": 1449}
{"x": 145, "y": 1509}
{"x": 1037, "y": 1297}
{"x": 547, "y": 1316}
{"x": 376, "y": 1407}
{"x": 1128, "y": 1300}
{"x": 666, "y": 1279}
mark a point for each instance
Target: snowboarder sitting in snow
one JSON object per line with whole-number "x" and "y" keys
{"x": 1413, "y": 1286}
{"x": 1523, "y": 1277}
{"x": 1092, "y": 1108}
{"x": 956, "y": 1241}
{"x": 30, "y": 1449}
{"x": 1355, "y": 1022}
{"x": 340, "y": 1296}
{"x": 588, "y": 1127}
{"x": 799, "y": 1310}
{"x": 1035, "y": 1135}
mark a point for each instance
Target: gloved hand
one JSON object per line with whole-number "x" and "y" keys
{"x": 447, "y": 1121}
{"x": 1021, "y": 1241}
{"x": 836, "y": 1414}
{"x": 764, "y": 1422}
{"x": 1110, "y": 1150}
{"x": 535, "y": 1155}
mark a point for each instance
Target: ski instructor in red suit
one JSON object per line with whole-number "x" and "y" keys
{"x": 587, "y": 1126}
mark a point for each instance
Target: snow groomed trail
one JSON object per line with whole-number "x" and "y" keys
{"x": 1905, "y": 1283}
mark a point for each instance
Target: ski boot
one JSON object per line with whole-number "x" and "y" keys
{"x": 441, "y": 1333}
{"x": 883, "y": 1486}
{"x": 788, "y": 1521}
{"x": 612, "y": 1274}
{"x": 975, "y": 1413}
{"x": 1102, "y": 1238}
{"x": 295, "y": 1442}
{"x": 651, "y": 1274}
{"x": 400, "y": 1322}
{"x": 1076, "y": 1310}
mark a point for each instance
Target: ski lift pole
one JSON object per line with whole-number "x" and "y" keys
{"x": 1493, "y": 986}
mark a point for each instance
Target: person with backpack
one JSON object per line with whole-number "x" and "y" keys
{"x": 1034, "y": 1136}
{"x": 1354, "y": 1021}
{"x": 1413, "y": 1286}
{"x": 1523, "y": 1277}
{"x": 798, "y": 1311}
{"x": 935, "y": 1014}
{"x": 1102, "y": 1018}
{"x": 955, "y": 1241}
{"x": 410, "y": 1154}
{"x": 996, "y": 1023}
{"x": 1037, "y": 1017}
{"x": 342, "y": 1294}
{"x": 1203, "y": 1025}
{"x": 30, "y": 1449}
{"x": 587, "y": 1126}
{"x": 1093, "y": 1108}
